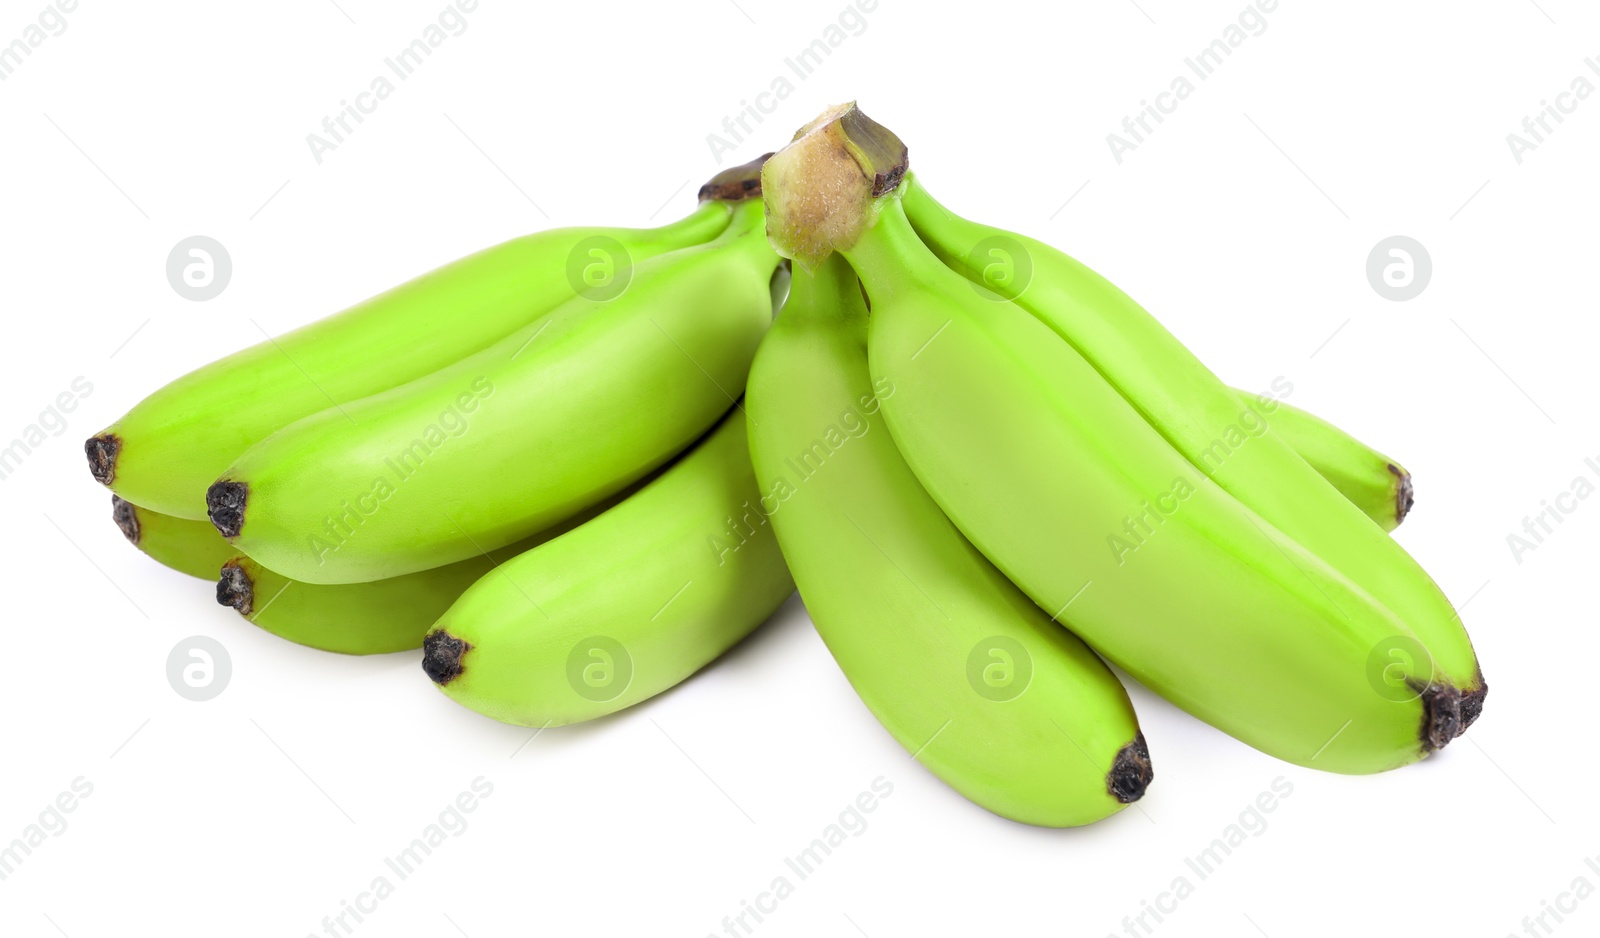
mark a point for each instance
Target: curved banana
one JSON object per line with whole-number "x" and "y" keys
{"x": 185, "y": 545}
{"x": 508, "y": 441}
{"x": 1371, "y": 481}
{"x": 622, "y": 607}
{"x": 1200, "y": 417}
{"x": 966, "y": 673}
{"x": 1060, "y": 482}
{"x": 166, "y": 451}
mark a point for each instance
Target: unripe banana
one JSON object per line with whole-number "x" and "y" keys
{"x": 359, "y": 618}
{"x": 185, "y": 545}
{"x": 1061, "y": 482}
{"x": 166, "y": 451}
{"x": 623, "y": 607}
{"x": 1199, "y": 417}
{"x": 1371, "y": 481}
{"x": 964, "y": 671}
{"x": 510, "y": 440}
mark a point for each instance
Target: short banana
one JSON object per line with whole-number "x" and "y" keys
{"x": 185, "y": 545}
{"x": 1200, "y": 417}
{"x": 358, "y": 618}
{"x": 1058, "y": 480}
{"x": 623, "y": 607}
{"x": 1371, "y": 481}
{"x": 511, "y": 440}
{"x": 964, "y": 671}
{"x": 165, "y": 452}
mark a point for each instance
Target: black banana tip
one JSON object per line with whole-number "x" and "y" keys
{"x": 236, "y": 589}
{"x": 225, "y": 503}
{"x": 1404, "y": 495}
{"x": 441, "y": 656}
{"x": 126, "y": 517}
{"x": 1441, "y": 716}
{"x": 102, "y": 451}
{"x": 1472, "y": 704}
{"x": 1131, "y": 772}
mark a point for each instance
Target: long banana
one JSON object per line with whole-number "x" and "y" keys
{"x": 183, "y": 544}
{"x": 624, "y": 606}
{"x": 169, "y": 448}
{"x": 1371, "y": 481}
{"x": 1200, "y": 417}
{"x": 1056, "y": 478}
{"x": 964, "y": 671}
{"x": 511, "y": 440}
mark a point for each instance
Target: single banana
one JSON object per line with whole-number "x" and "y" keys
{"x": 360, "y": 618}
{"x": 511, "y": 440}
{"x": 1371, "y": 481}
{"x": 1200, "y": 417}
{"x": 964, "y": 671}
{"x": 183, "y": 544}
{"x": 622, "y": 607}
{"x": 1060, "y": 482}
{"x": 169, "y": 448}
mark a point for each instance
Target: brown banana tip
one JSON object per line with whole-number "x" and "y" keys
{"x": 1131, "y": 772}
{"x": 441, "y": 656}
{"x": 1404, "y": 496}
{"x": 102, "y": 451}
{"x": 236, "y": 589}
{"x": 1472, "y": 704}
{"x": 737, "y": 183}
{"x": 126, "y": 517}
{"x": 1441, "y": 716}
{"x": 225, "y": 504}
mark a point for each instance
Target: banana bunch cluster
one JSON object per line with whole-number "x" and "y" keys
{"x": 987, "y": 470}
{"x": 533, "y": 446}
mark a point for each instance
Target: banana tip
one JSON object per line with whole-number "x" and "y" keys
{"x": 1131, "y": 772}
{"x": 1404, "y": 495}
{"x": 236, "y": 589}
{"x": 225, "y": 503}
{"x": 1441, "y": 716}
{"x": 1472, "y": 704}
{"x": 102, "y": 451}
{"x": 126, "y": 517}
{"x": 441, "y": 656}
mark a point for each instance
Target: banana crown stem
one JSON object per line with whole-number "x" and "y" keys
{"x": 822, "y": 191}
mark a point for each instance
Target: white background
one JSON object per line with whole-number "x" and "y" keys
{"x": 1244, "y": 222}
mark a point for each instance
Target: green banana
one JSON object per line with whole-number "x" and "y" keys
{"x": 1058, "y": 480}
{"x": 965, "y": 672}
{"x": 1371, "y": 481}
{"x": 1200, "y": 417}
{"x": 623, "y": 607}
{"x": 510, "y": 440}
{"x": 360, "y": 618}
{"x": 183, "y": 544}
{"x": 166, "y": 451}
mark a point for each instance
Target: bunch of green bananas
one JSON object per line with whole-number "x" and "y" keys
{"x": 1036, "y": 447}
{"x": 577, "y": 467}
{"x": 569, "y": 398}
